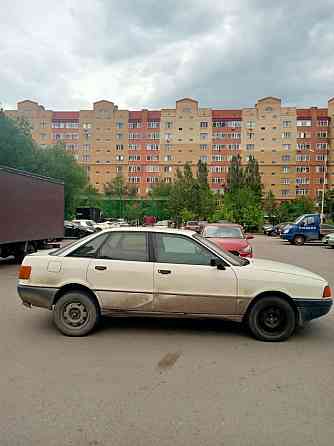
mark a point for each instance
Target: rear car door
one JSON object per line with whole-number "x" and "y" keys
{"x": 185, "y": 281}
{"x": 120, "y": 273}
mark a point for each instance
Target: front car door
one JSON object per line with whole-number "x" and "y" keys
{"x": 185, "y": 281}
{"x": 120, "y": 272}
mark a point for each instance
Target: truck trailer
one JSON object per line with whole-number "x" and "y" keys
{"x": 31, "y": 212}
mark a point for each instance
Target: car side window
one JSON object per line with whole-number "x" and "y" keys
{"x": 130, "y": 246}
{"x": 181, "y": 250}
{"x": 310, "y": 221}
{"x": 89, "y": 249}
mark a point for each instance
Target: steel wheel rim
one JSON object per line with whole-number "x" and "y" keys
{"x": 75, "y": 315}
{"x": 272, "y": 320}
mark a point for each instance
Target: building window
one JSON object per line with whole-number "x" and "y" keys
{"x": 250, "y": 146}
{"x": 119, "y": 158}
{"x": 168, "y": 158}
{"x": 203, "y": 136}
{"x": 119, "y": 135}
{"x": 204, "y": 124}
{"x": 168, "y": 147}
{"x": 216, "y": 180}
{"x": 322, "y": 145}
{"x": 167, "y": 180}
{"x": 152, "y": 179}
{"x": 323, "y": 123}
{"x": 134, "y": 125}
{"x": 301, "y": 191}
{"x": 152, "y": 158}
{"x": 285, "y": 181}
{"x": 320, "y": 157}
{"x": 134, "y": 135}
{"x": 204, "y": 158}
{"x": 133, "y": 180}
{"x": 119, "y": 169}
{"x": 134, "y": 157}
{"x": 322, "y": 134}
{"x": 119, "y": 147}
{"x": 44, "y": 124}
{"x": 250, "y": 135}
{"x": 153, "y": 124}
{"x": 286, "y": 124}
{"x": 320, "y": 169}
{"x": 152, "y": 146}
{"x": 285, "y": 169}
{"x": 286, "y": 135}
{"x": 134, "y": 168}
{"x": 217, "y": 169}
{"x": 302, "y": 157}
{"x": 218, "y": 158}
{"x": 303, "y": 146}
{"x": 304, "y": 123}
{"x": 119, "y": 124}
{"x": 302, "y": 169}
{"x": 286, "y": 146}
{"x": 251, "y": 124}
{"x": 233, "y": 146}
{"x": 133, "y": 146}
{"x": 285, "y": 192}
{"x": 152, "y": 169}
{"x": 168, "y": 169}
{"x": 286, "y": 158}
{"x": 154, "y": 135}
{"x": 168, "y": 124}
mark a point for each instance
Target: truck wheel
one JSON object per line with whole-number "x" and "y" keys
{"x": 299, "y": 240}
{"x": 75, "y": 314}
{"x": 272, "y": 319}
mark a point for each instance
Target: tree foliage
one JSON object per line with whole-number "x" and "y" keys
{"x": 18, "y": 150}
{"x": 118, "y": 188}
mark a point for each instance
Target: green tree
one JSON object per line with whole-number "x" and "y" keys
{"x": 290, "y": 210}
{"x": 329, "y": 204}
{"x": 235, "y": 176}
{"x": 252, "y": 177}
{"x": 18, "y": 150}
{"x": 91, "y": 197}
{"x": 270, "y": 206}
{"x": 118, "y": 188}
{"x": 243, "y": 207}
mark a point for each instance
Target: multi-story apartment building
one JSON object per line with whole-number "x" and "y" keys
{"x": 294, "y": 147}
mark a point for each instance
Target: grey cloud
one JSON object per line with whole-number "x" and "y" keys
{"x": 148, "y": 53}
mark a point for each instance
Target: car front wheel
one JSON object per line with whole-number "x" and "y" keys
{"x": 272, "y": 319}
{"x": 75, "y": 314}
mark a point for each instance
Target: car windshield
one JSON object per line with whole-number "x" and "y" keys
{"x": 231, "y": 258}
{"x": 299, "y": 219}
{"x": 192, "y": 223}
{"x": 223, "y": 232}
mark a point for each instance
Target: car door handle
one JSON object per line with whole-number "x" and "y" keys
{"x": 164, "y": 271}
{"x": 100, "y": 267}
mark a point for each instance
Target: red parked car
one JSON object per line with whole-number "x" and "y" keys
{"x": 231, "y": 237}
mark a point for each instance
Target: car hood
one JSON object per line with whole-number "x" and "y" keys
{"x": 230, "y": 243}
{"x": 283, "y": 268}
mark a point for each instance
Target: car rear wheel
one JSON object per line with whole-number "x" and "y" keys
{"x": 75, "y": 314}
{"x": 299, "y": 240}
{"x": 272, "y": 319}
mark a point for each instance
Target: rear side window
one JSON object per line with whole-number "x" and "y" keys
{"x": 89, "y": 249}
{"x": 130, "y": 246}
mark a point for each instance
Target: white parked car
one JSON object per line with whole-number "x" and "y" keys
{"x": 92, "y": 224}
{"x": 167, "y": 272}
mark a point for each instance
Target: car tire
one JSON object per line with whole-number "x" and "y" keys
{"x": 272, "y": 319}
{"x": 76, "y": 314}
{"x": 299, "y": 240}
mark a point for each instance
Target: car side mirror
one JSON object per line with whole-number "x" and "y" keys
{"x": 218, "y": 263}
{"x": 249, "y": 236}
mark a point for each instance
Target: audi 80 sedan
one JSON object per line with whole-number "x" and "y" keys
{"x": 168, "y": 273}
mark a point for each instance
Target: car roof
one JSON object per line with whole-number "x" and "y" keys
{"x": 150, "y": 229}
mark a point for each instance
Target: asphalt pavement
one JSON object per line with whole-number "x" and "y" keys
{"x": 164, "y": 382}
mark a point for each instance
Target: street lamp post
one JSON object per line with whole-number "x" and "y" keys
{"x": 323, "y": 186}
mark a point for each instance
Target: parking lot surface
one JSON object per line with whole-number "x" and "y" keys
{"x": 166, "y": 382}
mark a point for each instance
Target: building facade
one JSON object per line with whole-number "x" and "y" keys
{"x": 294, "y": 146}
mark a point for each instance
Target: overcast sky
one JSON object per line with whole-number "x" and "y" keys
{"x": 66, "y": 54}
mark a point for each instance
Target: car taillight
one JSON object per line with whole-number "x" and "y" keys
{"x": 24, "y": 273}
{"x": 327, "y": 291}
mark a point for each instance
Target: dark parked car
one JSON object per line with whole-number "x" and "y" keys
{"x": 72, "y": 230}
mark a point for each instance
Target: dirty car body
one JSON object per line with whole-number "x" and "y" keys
{"x": 168, "y": 273}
